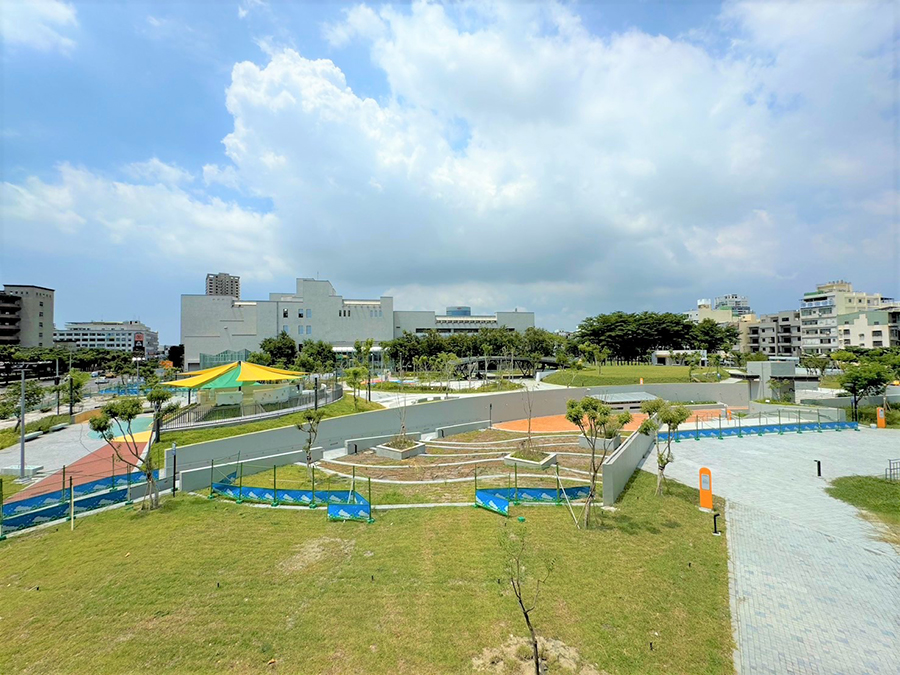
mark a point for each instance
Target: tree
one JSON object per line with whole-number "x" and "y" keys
{"x": 817, "y": 363}
{"x": 11, "y": 402}
{"x": 119, "y": 415}
{"x": 597, "y": 422}
{"x": 843, "y": 358}
{"x": 281, "y": 349}
{"x": 867, "y": 379}
{"x": 309, "y": 424}
{"x": 757, "y": 356}
{"x": 781, "y": 388}
{"x": 355, "y": 377}
{"x": 444, "y": 363}
{"x": 670, "y": 416}
{"x": 175, "y": 354}
{"x": 159, "y": 397}
{"x": 692, "y": 361}
{"x": 260, "y": 358}
{"x": 518, "y": 561}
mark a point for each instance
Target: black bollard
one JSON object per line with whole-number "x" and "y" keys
{"x": 819, "y": 468}
{"x": 716, "y": 525}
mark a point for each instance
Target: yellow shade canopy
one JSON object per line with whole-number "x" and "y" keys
{"x": 246, "y": 372}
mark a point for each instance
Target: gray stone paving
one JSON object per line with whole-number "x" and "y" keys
{"x": 813, "y": 589}
{"x": 54, "y": 450}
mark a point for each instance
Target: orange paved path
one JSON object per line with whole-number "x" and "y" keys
{"x": 554, "y": 423}
{"x": 90, "y": 467}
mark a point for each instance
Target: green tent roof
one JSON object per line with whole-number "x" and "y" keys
{"x": 228, "y": 381}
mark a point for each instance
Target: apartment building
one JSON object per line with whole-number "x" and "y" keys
{"x": 705, "y": 311}
{"x": 776, "y": 335}
{"x": 738, "y": 305}
{"x": 26, "y": 316}
{"x": 223, "y": 284}
{"x": 212, "y": 325}
{"x": 871, "y": 329}
{"x": 820, "y": 309}
{"x": 126, "y": 336}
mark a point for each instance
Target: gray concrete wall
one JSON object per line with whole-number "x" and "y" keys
{"x": 619, "y": 467}
{"x": 847, "y": 401}
{"x": 195, "y": 479}
{"x": 426, "y": 417}
{"x": 789, "y": 412}
{"x": 461, "y": 428}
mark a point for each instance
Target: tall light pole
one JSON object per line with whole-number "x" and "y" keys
{"x": 22, "y": 429}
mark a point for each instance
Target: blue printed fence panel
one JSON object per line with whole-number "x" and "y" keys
{"x": 82, "y": 490}
{"x": 301, "y": 497}
{"x": 577, "y": 492}
{"x": 60, "y": 510}
{"x": 537, "y": 495}
{"x": 360, "y": 511}
{"x": 534, "y": 494}
{"x": 491, "y": 501}
{"x": 787, "y": 427}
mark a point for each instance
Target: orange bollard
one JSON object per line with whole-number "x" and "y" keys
{"x": 880, "y": 421}
{"x": 706, "y": 495}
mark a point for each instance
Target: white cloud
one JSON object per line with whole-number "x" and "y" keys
{"x": 44, "y": 25}
{"x": 82, "y": 213}
{"x": 156, "y": 171}
{"x": 519, "y": 160}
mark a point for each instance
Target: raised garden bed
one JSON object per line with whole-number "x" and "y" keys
{"x": 411, "y": 449}
{"x": 611, "y": 443}
{"x": 548, "y": 460}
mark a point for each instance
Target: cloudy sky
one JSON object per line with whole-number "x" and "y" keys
{"x": 569, "y": 159}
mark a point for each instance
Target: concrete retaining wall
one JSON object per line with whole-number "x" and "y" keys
{"x": 619, "y": 467}
{"x": 847, "y": 401}
{"x": 198, "y": 478}
{"x": 426, "y": 417}
{"x": 789, "y": 412}
{"x": 461, "y": 428}
{"x": 355, "y": 445}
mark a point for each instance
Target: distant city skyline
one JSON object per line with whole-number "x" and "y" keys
{"x": 568, "y": 160}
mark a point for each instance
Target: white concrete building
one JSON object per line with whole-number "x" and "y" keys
{"x": 872, "y": 329}
{"x": 738, "y": 305}
{"x": 126, "y": 336}
{"x": 211, "y": 325}
{"x": 705, "y": 311}
{"x": 819, "y": 311}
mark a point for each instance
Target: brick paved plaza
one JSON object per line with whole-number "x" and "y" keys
{"x": 813, "y": 589}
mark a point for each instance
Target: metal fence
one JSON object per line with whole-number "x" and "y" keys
{"x": 892, "y": 472}
{"x": 780, "y": 422}
{"x": 210, "y": 416}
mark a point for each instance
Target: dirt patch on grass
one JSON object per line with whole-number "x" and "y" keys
{"x": 316, "y": 550}
{"x": 516, "y": 657}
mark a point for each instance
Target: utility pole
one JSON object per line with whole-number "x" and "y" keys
{"x": 22, "y": 429}
{"x": 71, "y": 390}
{"x": 56, "y": 382}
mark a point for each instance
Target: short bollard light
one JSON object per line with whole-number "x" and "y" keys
{"x": 716, "y": 532}
{"x": 819, "y": 468}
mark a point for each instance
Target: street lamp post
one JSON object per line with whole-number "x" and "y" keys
{"x": 22, "y": 429}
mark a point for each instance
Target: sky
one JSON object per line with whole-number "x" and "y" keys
{"x": 562, "y": 158}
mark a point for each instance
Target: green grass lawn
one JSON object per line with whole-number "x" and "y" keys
{"x": 10, "y": 436}
{"x": 876, "y": 496}
{"x": 10, "y": 487}
{"x": 616, "y": 375}
{"x": 867, "y": 415}
{"x": 830, "y": 382}
{"x": 342, "y": 407}
{"x": 415, "y": 592}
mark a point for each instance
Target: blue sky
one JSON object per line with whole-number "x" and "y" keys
{"x": 565, "y": 158}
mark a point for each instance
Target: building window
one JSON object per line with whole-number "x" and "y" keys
{"x": 299, "y": 313}
{"x": 41, "y": 325}
{"x": 309, "y": 330}
{"x": 286, "y": 329}
{"x": 284, "y": 314}
{"x": 300, "y": 330}
{"x": 308, "y": 313}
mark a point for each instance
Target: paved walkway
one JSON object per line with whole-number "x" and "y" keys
{"x": 52, "y": 451}
{"x": 813, "y": 589}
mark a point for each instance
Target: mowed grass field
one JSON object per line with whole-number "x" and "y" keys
{"x": 614, "y": 375}
{"x": 210, "y": 586}
{"x": 878, "y": 498}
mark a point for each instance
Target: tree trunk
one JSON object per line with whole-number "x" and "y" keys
{"x": 534, "y": 642}
{"x": 659, "y": 480}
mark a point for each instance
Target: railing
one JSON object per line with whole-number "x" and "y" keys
{"x": 209, "y": 415}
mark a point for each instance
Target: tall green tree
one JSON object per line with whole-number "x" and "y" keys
{"x": 598, "y": 424}
{"x": 867, "y": 379}
{"x": 11, "y": 401}
{"x": 160, "y": 398}
{"x": 281, "y": 349}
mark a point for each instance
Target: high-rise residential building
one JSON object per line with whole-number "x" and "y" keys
{"x": 223, "y": 284}
{"x": 776, "y": 335}
{"x": 738, "y": 305}
{"x": 872, "y": 329}
{"x": 126, "y": 336}
{"x": 26, "y": 316}
{"x": 819, "y": 311}
{"x": 218, "y": 328}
